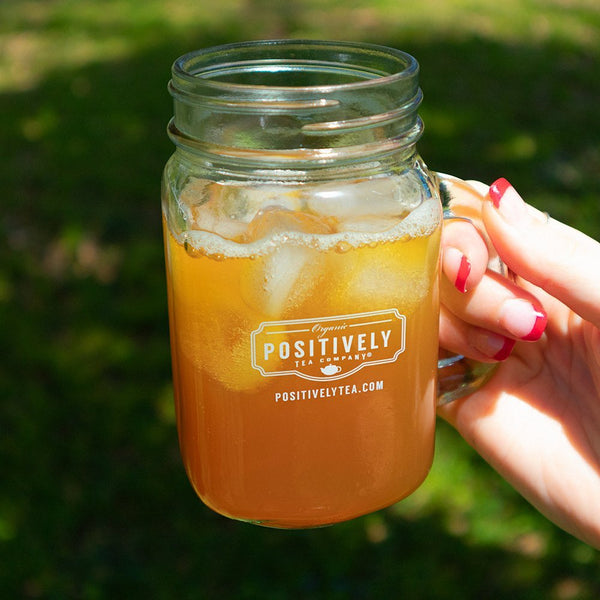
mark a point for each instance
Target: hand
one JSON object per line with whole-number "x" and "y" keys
{"x": 485, "y": 322}
{"x": 537, "y": 421}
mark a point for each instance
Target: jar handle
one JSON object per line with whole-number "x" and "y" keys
{"x": 459, "y": 376}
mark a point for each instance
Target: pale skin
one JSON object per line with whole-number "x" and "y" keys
{"x": 537, "y": 421}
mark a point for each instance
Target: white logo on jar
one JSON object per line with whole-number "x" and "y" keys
{"x": 331, "y": 369}
{"x": 329, "y": 347}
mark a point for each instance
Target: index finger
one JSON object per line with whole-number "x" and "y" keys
{"x": 551, "y": 255}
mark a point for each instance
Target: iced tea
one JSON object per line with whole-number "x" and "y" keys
{"x": 304, "y": 331}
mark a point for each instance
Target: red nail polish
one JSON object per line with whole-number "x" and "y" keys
{"x": 539, "y": 326}
{"x": 506, "y": 349}
{"x": 463, "y": 272}
{"x": 497, "y": 190}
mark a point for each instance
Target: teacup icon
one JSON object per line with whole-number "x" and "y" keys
{"x": 331, "y": 369}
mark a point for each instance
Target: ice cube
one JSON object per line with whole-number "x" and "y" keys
{"x": 282, "y": 276}
{"x": 193, "y": 196}
{"x": 279, "y": 279}
{"x": 387, "y": 275}
{"x": 242, "y": 202}
{"x": 227, "y": 208}
{"x": 218, "y": 342}
{"x": 202, "y": 210}
{"x": 214, "y": 325}
{"x": 394, "y": 196}
{"x": 274, "y": 221}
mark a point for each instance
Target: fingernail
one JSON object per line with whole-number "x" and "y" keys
{"x": 506, "y": 349}
{"x": 523, "y": 320}
{"x": 460, "y": 283}
{"x": 541, "y": 319}
{"x": 512, "y": 207}
{"x": 497, "y": 191}
{"x": 494, "y": 345}
{"x": 456, "y": 262}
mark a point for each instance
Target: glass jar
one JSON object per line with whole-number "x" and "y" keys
{"x": 302, "y": 235}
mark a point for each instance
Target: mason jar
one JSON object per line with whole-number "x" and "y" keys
{"x": 302, "y": 239}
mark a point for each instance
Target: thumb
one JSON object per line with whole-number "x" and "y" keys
{"x": 553, "y": 256}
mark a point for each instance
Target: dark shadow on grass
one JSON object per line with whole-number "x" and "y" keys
{"x": 93, "y": 496}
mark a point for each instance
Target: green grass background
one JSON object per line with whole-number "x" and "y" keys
{"x": 94, "y": 502}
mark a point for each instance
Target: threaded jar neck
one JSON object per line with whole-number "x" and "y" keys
{"x": 295, "y": 101}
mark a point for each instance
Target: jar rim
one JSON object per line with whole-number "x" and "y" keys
{"x": 199, "y": 67}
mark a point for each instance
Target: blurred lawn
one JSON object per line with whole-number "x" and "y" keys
{"x": 94, "y": 503}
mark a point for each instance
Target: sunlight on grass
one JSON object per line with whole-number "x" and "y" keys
{"x": 40, "y": 37}
{"x": 518, "y": 147}
{"x": 8, "y": 527}
{"x": 29, "y": 57}
{"x": 95, "y": 503}
{"x": 165, "y": 405}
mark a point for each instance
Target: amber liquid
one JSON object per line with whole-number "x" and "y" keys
{"x": 283, "y": 450}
